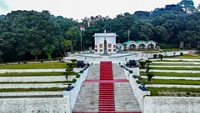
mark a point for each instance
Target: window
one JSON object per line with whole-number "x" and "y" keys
{"x": 96, "y": 50}
{"x": 109, "y": 50}
{"x": 101, "y": 50}
{"x": 95, "y": 46}
{"x": 114, "y": 46}
{"x": 114, "y": 50}
{"x": 100, "y": 45}
{"x": 109, "y": 45}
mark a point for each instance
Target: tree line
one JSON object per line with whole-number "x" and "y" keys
{"x": 26, "y": 35}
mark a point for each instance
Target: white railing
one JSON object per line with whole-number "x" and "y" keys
{"x": 73, "y": 94}
{"x": 139, "y": 94}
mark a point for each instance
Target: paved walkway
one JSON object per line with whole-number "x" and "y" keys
{"x": 89, "y": 99}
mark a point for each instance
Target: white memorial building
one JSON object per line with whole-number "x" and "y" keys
{"x": 105, "y": 43}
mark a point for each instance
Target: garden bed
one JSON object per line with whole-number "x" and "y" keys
{"x": 172, "y": 81}
{"x": 47, "y": 65}
{"x": 174, "y": 91}
{"x": 172, "y": 74}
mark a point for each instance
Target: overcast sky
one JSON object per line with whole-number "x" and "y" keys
{"x": 79, "y": 9}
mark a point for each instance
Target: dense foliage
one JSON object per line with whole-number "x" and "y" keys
{"x": 26, "y": 35}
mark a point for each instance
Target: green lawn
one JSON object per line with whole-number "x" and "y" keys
{"x": 166, "y": 91}
{"x": 197, "y": 56}
{"x": 172, "y": 74}
{"x": 166, "y": 64}
{"x": 174, "y": 60}
{"x": 31, "y": 89}
{"x": 32, "y": 74}
{"x": 176, "y": 68}
{"x": 47, "y": 65}
{"x": 173, "y": 81}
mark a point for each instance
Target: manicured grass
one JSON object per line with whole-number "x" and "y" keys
{"x": 31, "y": 89}
{"x": 166, "y": 64}
{"x": 174, "y": 60}
{"x": 176, "y": 68}
{"x": 33, "y": 74}
{"x": 47, "y": 65}
{"x": 64, "y": 82}
{"x": 197, "y": 56}
{"x": 173, "y": 81}
{"x": 165, "y": 91}
{"x": 172, "y": 74}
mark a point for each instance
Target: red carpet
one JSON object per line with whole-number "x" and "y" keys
{"x": 106, "y": 89}
{"x": 107, "y": 81}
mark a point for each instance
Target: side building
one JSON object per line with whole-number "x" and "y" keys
{"x": 138, "y": 45}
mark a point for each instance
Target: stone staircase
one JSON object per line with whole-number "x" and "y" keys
{"x": 102, "y": 94}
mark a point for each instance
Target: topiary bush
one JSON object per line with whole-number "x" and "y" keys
{"x": 71, "y": 65}
{"x": 138, "y": 82}
{"x": 81, "y": 71}
{"x": 73, "y": 60}
{"x": 78, "y": 76}
{"x": 74, "y": 80}
{"x": 142, "y": 64}
{"x": 155, "y": 56}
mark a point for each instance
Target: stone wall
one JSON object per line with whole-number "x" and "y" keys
{"x": 171, "y": 104}
{"x": 34, "y": 105}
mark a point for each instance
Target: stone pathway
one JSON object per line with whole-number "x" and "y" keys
{"x": 88, "y": 98}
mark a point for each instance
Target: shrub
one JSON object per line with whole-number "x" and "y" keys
{"x": 155, "y": 56}
{"x": 142, "y": 64}
{"x": 160, "y": 56}
{"x": 73, "y": 60}
{"x": 138, "y": 82}
{"x": 74, "y": 80}
{"x": 88, "y": 64}
{"x": 69, "y": 69}
{"x": 70, "y": 73}
{"x": 181, "y": 54}
{"x": 78, "y": 76}
{"x": 81, "y": 71}
{"x": 148, "y": 62}
{"x": 71, "y": 65}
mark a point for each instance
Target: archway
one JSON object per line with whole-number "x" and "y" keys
{"x": 132, "y": 47}
{"x": 142, "y": 46}
{"x": 151, "y": 46}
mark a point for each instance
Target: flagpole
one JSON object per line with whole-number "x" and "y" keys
{"x": 81, "y": 42}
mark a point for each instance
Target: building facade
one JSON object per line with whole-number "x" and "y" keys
{"x": 105, "y": 43}
{"x": 140, "y": 45}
